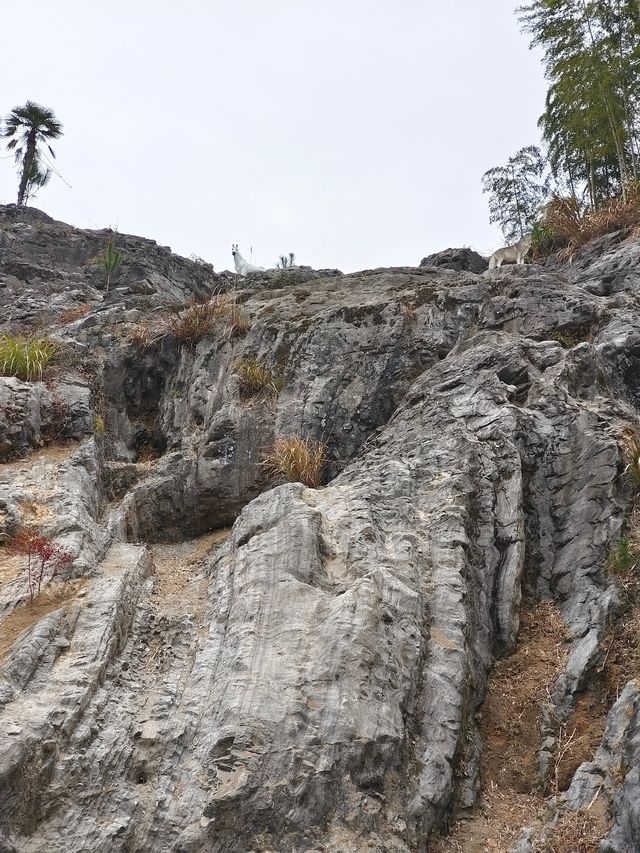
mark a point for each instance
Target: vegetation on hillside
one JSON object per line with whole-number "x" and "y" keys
{"x": 585, "y": 183}
{"x": 29, "y": 129}
{"x": 25, "y": 356}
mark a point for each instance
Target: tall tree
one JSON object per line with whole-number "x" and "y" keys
{"x": 36, "y": 180}
{"x": 517, "y": 191}
{"x": 27, "y": 128}
{"x": 592, "y": 60}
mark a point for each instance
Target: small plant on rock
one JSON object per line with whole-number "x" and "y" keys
{"x": 193, "y": 323}
{"x": 60, "y": 418}
{"x": 110, "y": 260}
{"x": 285, "y": 261}
{"x": 144, "y": 337}
{"x": 255, "y": 378}
{"x": 25, "y": 356}
{"x": 239, "y": 323}
{"x": 631, "y": 444}
{"x": 623, "y": 563}
{"x": 297, "y": 460}
{"x": 45, "y": 559}
{"x": 623, "y": 559}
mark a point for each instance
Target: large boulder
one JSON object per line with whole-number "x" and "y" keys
{"x": 460, "y": 260}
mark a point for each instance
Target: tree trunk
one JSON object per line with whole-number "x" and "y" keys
{"x": 608, "y": 109}
{"x": 27, "y": 163}
{"x": 592, "y": 185}
{"x": 625, "y": 97}
{"x": 517, "y": 199}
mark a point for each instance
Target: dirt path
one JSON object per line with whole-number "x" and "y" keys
{"x": 509, "y": 723}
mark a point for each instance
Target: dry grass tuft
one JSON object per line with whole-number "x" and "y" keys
{"x": 631, "y": 448}
{"x": 73, "y": 314}
{"x": 297, "y": 460}
{"x": 191, "y": 324}
{"x": 255, "y": 378}
{"x": 194, "y": 323}
{"x": 239, "y": 323}
{"x": 26, "y": 357}
{"x": 566, "y": 221}
{"x": 144, "y": 336}
{"x": 578, "y": 831}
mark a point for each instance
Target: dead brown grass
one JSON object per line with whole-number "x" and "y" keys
{"x": 510, "y": 716}
{"x": 631, "y": 450}
{"x": 296, "y": 460}
{"x": 73, "y": 314}
{"x": 192, "y": 324}
{"x": 509, "y": 722}
{"x": 578, "y": 831}
{"x": 567, "y": 222}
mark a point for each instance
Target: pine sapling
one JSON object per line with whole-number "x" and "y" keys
{"x": 111, "y": 259}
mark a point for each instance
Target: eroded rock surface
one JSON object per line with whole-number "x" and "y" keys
{"x": 310, "y": 680}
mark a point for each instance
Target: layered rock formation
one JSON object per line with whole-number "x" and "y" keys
{"x": 311, "y": 680}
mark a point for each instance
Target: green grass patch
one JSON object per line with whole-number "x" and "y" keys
{"x": 255, "y": 378}
{"x": 25, "y": 356}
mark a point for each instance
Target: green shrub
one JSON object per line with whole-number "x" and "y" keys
{"x": 543, "y": 240}
{"x": 98, "y": 425}
{"x": 25, "y": 356}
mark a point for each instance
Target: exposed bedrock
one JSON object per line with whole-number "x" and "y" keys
{"x": 310, "y": 683}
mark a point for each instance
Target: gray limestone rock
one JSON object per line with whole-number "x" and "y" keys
{"x": 310, "y": 683}
{"x": 461, "y": 260}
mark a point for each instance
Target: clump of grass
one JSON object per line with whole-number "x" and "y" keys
{"x": 194, "y": 323}
{"x": 297, "y": 460}
{"x": 144, "y": 337}
{"x": 25, "y": 356}
{"x": 239, "y": 323}
{"x": 631, "y": 445}
{"x": 255, "y": 378}
{"x": 191, "y": 324}
{"x": 623, "y": 563}
{"x": 570, "y": 338}
{"x": 565, "y": 339}
{"x": 99, "y": 425}
{"x": 566, "y": 222}
{"x": 543, "y": 241}
{"x": 409, "y": 312}
{"x": 624, "y": 558}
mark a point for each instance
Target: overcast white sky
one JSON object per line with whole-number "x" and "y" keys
{"x": 352, "y": 132}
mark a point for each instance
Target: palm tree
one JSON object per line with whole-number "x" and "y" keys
{"x": 26, "y": 127}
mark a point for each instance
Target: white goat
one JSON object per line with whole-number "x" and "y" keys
{"x": 242, "y": 266}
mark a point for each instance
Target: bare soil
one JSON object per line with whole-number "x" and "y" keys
{"x": 26, "y": 616}
{"x": 509, "y": 723}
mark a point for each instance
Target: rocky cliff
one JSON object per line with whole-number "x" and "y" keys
{"x": 434, "y": 634}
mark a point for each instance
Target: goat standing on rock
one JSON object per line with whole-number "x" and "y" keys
{"x": 515, "y": 253}
{"x": 242, "y": 266}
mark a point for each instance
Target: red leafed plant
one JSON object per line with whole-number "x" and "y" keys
{"x": 45, "y": 559}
